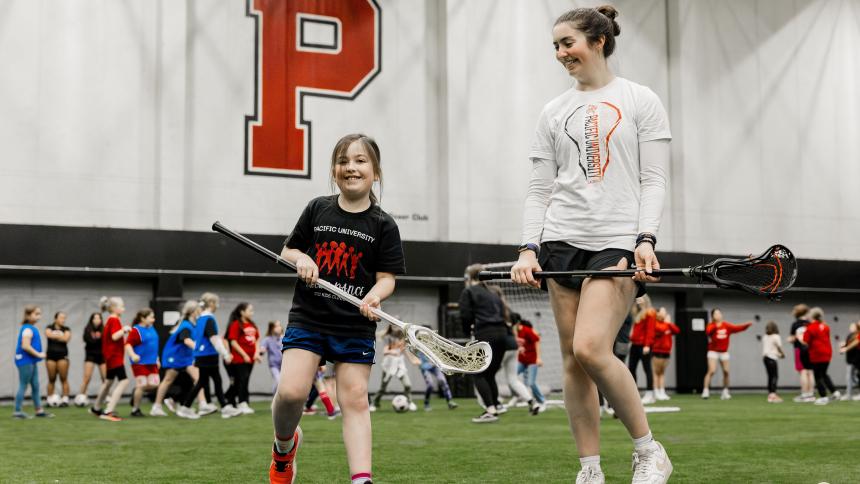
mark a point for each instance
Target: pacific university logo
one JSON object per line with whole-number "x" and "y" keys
{"x": 338, "y": 258}
{"x": 590, "y": 127}
{"x": 304, "y": 48}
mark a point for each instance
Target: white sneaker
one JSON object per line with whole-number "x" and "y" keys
{"x": 651, "y": 466}
{"x": 64, "y": 402}
{"x": 157, "y": 411}
{"x": 245, "y": 409}
{"x": 500, "y": 409}
{"x": 185, "y": 412}
{"x": 822, "y": 401}
{"x": 706, "y": 393}
{"x": 413, "y": 407}
{"x": 372, "y": 407}
{"x": 856, "y": 398}
{"x": 229, "y": 411}
{"x": 206, "y": 409}
{"x": 168, "y": 402}
{"x": 81, "y": 400}
{"x": 837, "y": 395}
{"x": 661, "y": 395}
{"x": 725, "y": 395}
{"x": 648, "y": 398}
{"x": 590, "y": 475}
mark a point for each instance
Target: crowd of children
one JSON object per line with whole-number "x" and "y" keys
{"x": 175, "y": 373}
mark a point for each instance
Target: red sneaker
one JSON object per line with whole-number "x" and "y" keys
{"x": 282, "y": 470}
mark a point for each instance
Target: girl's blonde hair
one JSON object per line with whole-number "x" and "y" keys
{"x": 187, "y": 311}
{"x": 208, "y": 300}
{"x": 108, "y": 303}
{"x": 816, "y": 313}
{"x": 28, "y": 311}
{"x": 372, "y": 150}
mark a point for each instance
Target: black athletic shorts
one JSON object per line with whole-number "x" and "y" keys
{"x": 118, "y": 373}
{"x": 663, "y": 356}
{"x": 559, "y": 256}
{"x": 96, "y": 358}
{"x": 57, "y": 356}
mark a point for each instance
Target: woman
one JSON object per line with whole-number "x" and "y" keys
{"x": 771, "y": 347}
{"x": 852, "y": 359}
{"x": 244, "y": 340}
{"x": 482, "y": 312}
{"x": 596, "y": 194}
{"x": 57, "y": 361}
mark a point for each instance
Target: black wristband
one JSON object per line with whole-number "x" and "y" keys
{"x": 646, "y": 237}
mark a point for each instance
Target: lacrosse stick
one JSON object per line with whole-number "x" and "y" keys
{"x": 770, "y": 274}
{"x": 449, "y": 356}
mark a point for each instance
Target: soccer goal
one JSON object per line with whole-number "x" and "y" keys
{"x": 533, "y": 305}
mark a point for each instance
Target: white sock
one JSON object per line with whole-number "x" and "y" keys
{"x": 590, "y": 461}
{"x": 643, "y": 442}
{"x": 286, "y": 444}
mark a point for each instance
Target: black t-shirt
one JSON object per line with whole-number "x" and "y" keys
{"x": 349, "y": 249}
{"x": 58, "y": 348}
{"x": 209, "y": 330}
{"x": 795, "y": 326}
{"x": 851, "y": 356}
{"x": 93, "y": 339}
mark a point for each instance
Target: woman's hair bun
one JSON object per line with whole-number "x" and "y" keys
{"x": 610, "y": 12}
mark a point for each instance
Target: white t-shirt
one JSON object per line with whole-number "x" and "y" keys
{"x": 771, "y": 344}
{"x": 592, "y": 138}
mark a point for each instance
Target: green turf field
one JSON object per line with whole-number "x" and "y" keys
{"x": 741, "y": 440}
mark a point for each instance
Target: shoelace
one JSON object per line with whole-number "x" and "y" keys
{"x": 642, "y": 465}
{"x": 586, "y": 474}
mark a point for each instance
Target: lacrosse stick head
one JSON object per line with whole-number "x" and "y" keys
{"x": 447, "y": 355}
{"x": 769, "y": 274}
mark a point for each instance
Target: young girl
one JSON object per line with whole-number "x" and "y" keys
{"x": 177, "y": 357}
{"x": 28, "y": 353}
{"x": 272, "y": 348}
{"x": 142, "y": 349}
{"x": 662, "y": 351}
{"x": 92, "y": 356}
{"x": 641, "y": 339}
{"x": 771, "y": 348}
{"x": 113, "y": 348}
{"x": 598, "y": 184}
{"x": 57, "y": 361}
{"x": 801, "y": 354}
{"x": 434, "y": 378}
{"x": 208, "y": 345}
{"x": 243, "y": 338}
{"x": 817, "y": 339}
{"x": 319, "y": 390}
{"x": 394, "y": 365}
{"x": 718, "y": 332}
{"x": 529, "y": 359}
{"x": 324, "y": 328}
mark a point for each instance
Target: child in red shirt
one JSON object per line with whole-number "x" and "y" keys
{"x": 243, "y": 337}
{"x": 529, "y": 359}
{"x": 662, "y": 350}
{"x": 718, "y": 332}
{"x": 641, "y": 340}
{"x": 817, "y": 339}
{"x": 113, "y": 349}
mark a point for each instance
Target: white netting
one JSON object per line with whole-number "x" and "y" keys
{"x": 447, "y": 355}
{"x": 533, "y": 305}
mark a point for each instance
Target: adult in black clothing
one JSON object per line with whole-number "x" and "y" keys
{"x": 482, "y": 312}
{"x": 801, "y": 353}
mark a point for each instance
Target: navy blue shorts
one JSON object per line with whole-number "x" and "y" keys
{"x": 340, "y": 349}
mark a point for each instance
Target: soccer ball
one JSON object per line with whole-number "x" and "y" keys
{"x": 81, "y": 400}
{"x": 400, "y": 403}
{"x": 53, "y": 400}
